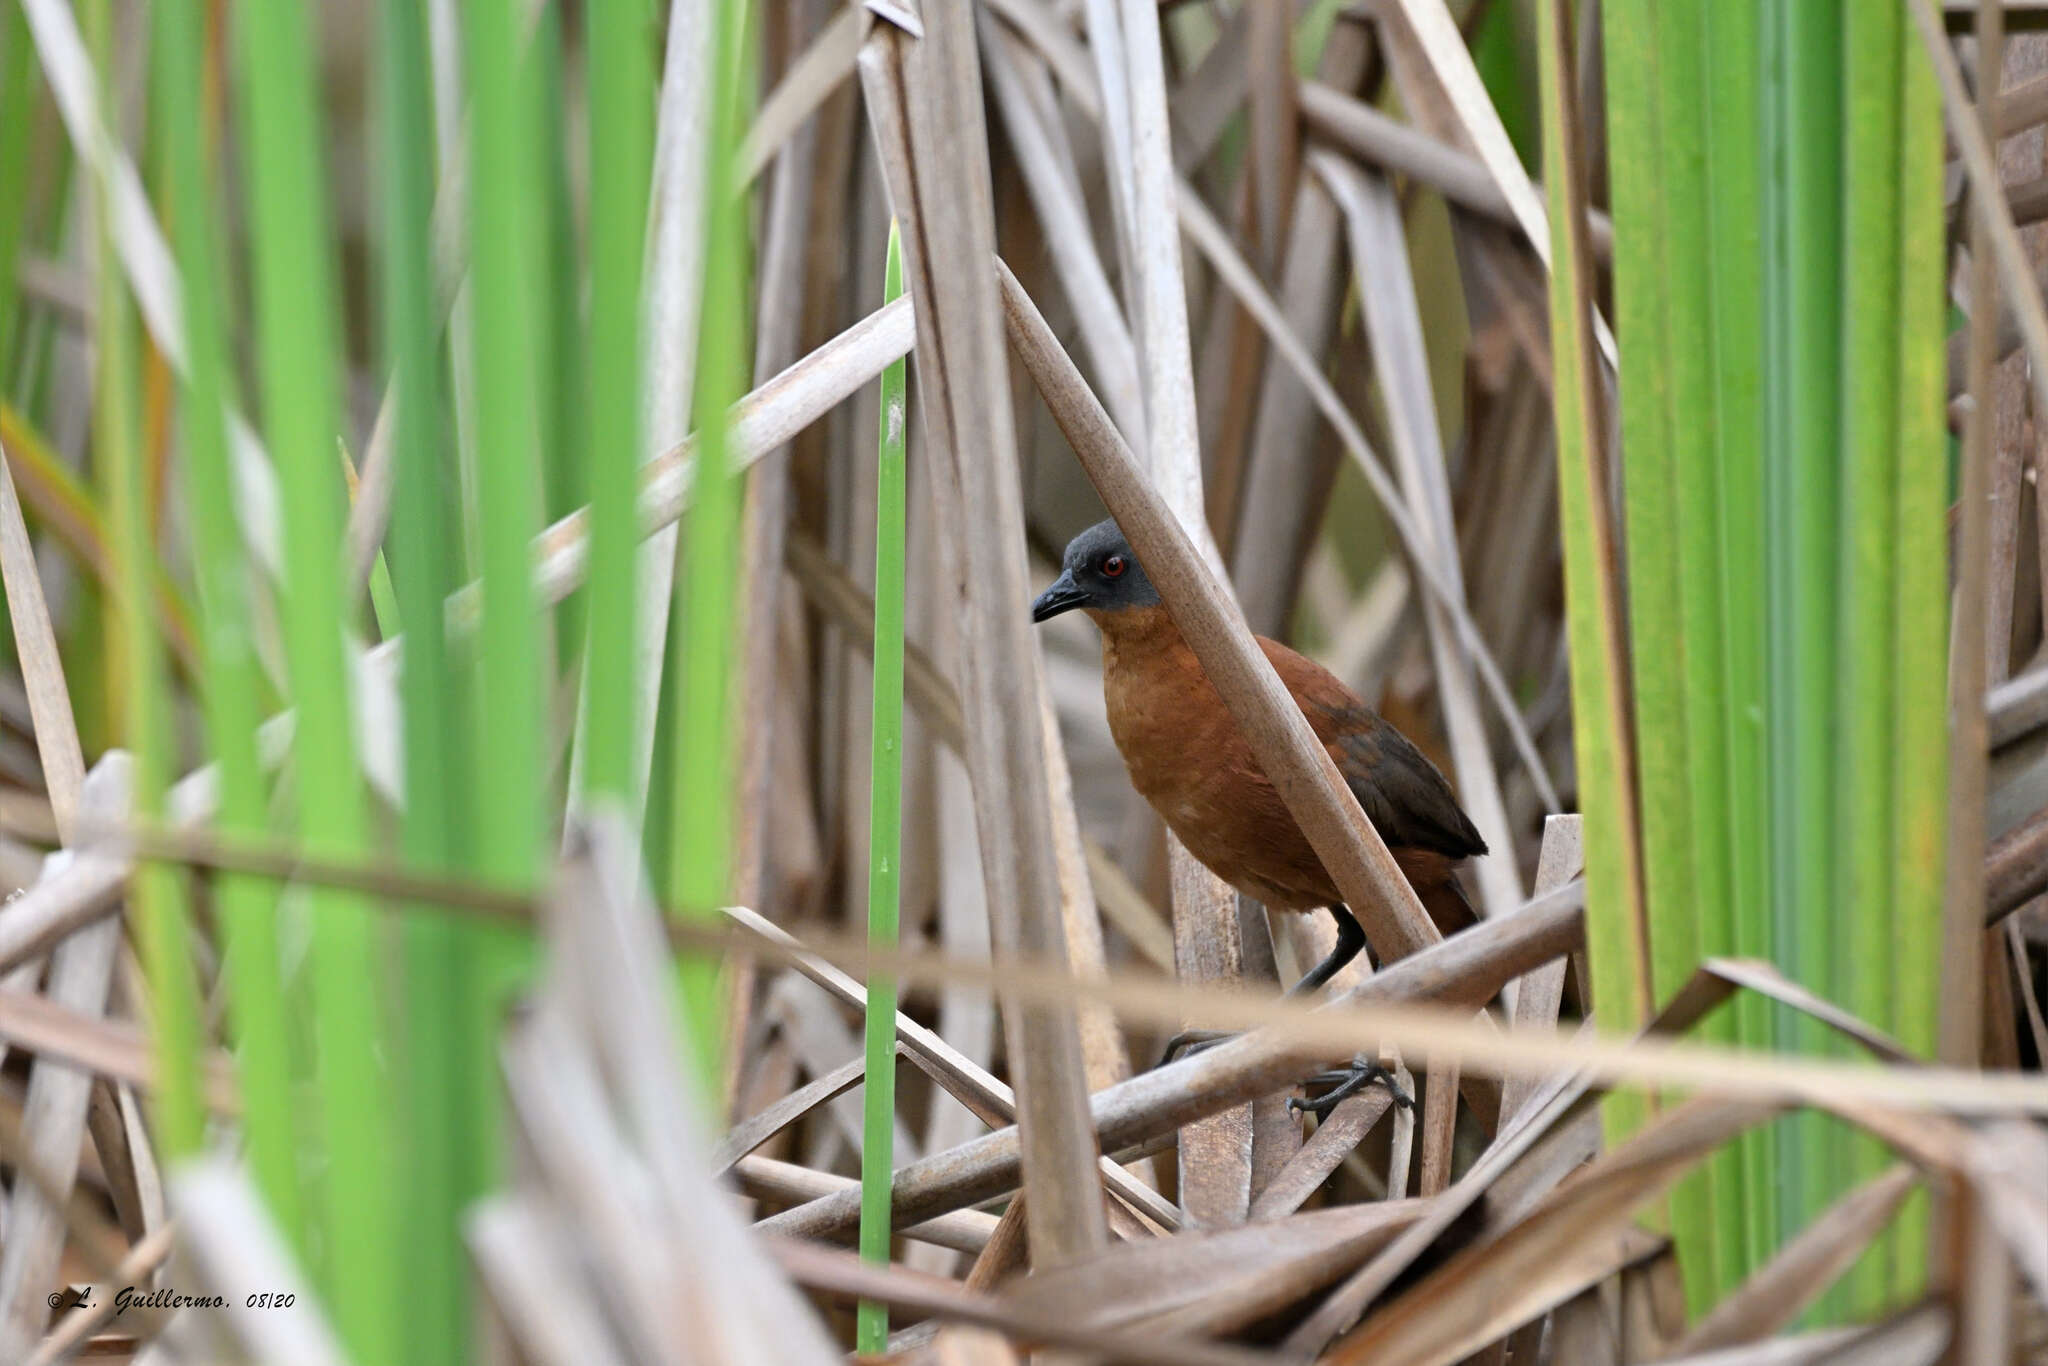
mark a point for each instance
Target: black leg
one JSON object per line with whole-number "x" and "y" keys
{"x": 1361, "y": 1075}
{"x": 1193, "y": 1041}
{"x": 1350, "y": 939}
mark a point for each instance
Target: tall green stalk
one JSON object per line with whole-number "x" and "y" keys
{"x": 159, "y": 896}
{"x": 1920, "y": 723}
{"x": 232, "y": 690}
{"x": 1616, "y": 931}
{"x": 885, "y": 828}
{"x": 700, "y": 871}
{"x": 1778, "y": 256}
{"x": 1873, "y": 50}
{"x": 298, "y": 360}
{"x": 1803, "y": 225}
{"x": 621, "y": 93}
{"x": 18, "y": 85}
{"x": 447, "y": 1044}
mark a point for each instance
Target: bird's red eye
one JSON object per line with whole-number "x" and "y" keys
{"x": 1113, "y": 567}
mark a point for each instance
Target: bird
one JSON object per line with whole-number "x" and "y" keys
{"x": 1188, "y": 759}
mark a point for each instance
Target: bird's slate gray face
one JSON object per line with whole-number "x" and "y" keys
{"x": 1099, "y": 574}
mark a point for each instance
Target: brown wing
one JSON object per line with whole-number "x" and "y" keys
{"x": 1410, "y": 803}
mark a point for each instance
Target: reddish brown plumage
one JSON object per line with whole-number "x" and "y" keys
{"x": 1189, "y": 760}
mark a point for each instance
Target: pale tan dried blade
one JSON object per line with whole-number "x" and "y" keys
{"x": 84, "y": 888}
{"x": 968, "y": 1082}
{"x": 1135, "y": 917}
{"x": 1275, "y": 128}
{"x": 1393, "y": 317}
{"x": 765, "y": 515}
{"x": 42, "y": 667}
{"x": 1278, "y": 495}
{"x": 613, "y": 941}
{"x": 926, "y": 105}
{"x": 224, "y": 1229}
{"x": 965, "y": 1230}
{"x": 1063, "y": 217}
{"x": 758, "y": 1129}
{"x": 832, "y": 591}
{"x": 1104, "y": 1058}
{"x": 108, "y": 1048}
{"x": 539, "y": 1294}
{"x": 53, "y": 1118}
{"x": 1540, "y": 995}
{"x": 809, "y": 80}
{"x": 1764, "y": 978}
{"x": 1796, "y": 1275}
{"x": 600, "y": 1184}
{"x": 2009, "y": 1166}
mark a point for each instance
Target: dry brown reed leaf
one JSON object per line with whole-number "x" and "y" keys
{"x": 1216, "y": 1280}
{"x": 1577, "y": 1237}
{"x": 843, "y": 1274}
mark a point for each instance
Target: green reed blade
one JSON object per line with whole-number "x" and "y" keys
{"x": 446, "y": 1043}
{"x": 1616, "y": 931}
{"x": 620, "y": 83}
{"x": 158, "y": 898}
{"x": 1731, "y": 42}
{"x": 297, "y": 358}
{"x": 1872, "y": 51}
{"x": 19, "y": 82}
{"x": 232, "y": 689}
{"x": 885, "y": 827}
{"x": 703, "y": 774}
{"x": 1803, "y": 284}
{"x": 1920, "y": 729}
{"x": 559, "y": 355}
{"x": 505, "y": 220}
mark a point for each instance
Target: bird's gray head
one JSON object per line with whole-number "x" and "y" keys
{"x": 1099, "y": 574}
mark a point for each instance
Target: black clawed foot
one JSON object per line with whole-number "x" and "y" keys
{"x": 1192, "y": 1041}
{"x": 1346, "y": 1084}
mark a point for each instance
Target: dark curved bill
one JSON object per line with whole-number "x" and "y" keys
{"x": 1062, "y": 596}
